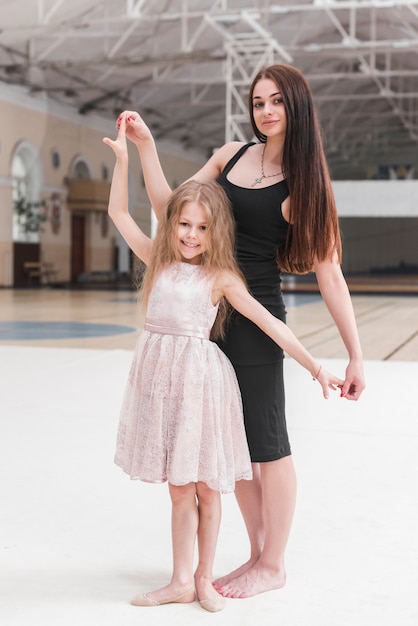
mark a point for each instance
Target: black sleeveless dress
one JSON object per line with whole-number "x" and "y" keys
{"x": 257, "y": 360}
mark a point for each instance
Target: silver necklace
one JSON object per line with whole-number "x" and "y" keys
{"x": 258, "y": 180}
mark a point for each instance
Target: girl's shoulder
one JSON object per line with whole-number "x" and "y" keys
{"x": 225, "y": 279}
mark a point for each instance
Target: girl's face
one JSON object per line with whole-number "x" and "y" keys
{"x": 268, "y": 108}
{"x": 192, "y": 236}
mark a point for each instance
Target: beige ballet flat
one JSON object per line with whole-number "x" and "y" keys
{"x": 213, "y": 604}
{"x": 145, "y": 600}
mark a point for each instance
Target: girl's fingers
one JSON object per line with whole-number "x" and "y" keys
{"x": 117, "y": 145}
{"x": 330, "y": 382}
{"x": 112, "y": 144}
{"x": 121, "y": 118}
{"x": 122, "y": 125}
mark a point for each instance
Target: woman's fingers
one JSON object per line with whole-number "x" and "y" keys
{"x": 129, "y": 117}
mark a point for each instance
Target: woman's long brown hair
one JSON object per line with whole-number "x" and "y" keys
{"x": 314, "y": 229}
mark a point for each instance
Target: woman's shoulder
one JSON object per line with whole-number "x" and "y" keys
{"x": 227, "y": 155}
{"x": 219, "y": 160}
{"x": 230, "y": 149}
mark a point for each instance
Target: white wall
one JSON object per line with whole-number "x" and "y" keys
{"x": 376, "y": 198}
{"x": 379, "y": 224}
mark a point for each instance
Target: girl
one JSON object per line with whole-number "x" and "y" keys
{"x": 181, "y": 419}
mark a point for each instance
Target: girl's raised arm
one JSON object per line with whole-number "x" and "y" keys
{"x": 238, "y": 296}
{"x": 118, "y": 209}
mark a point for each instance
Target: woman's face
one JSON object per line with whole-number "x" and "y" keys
{"x": 268, "y": 108}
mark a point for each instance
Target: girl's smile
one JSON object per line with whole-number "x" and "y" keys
{"x": 192, "y": 233}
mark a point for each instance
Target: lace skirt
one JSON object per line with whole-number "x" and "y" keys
{"x": 181, "y": 419}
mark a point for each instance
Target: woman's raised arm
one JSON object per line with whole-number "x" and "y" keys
{"x": 137, "y": 131}
{"x": 156, "y": 184}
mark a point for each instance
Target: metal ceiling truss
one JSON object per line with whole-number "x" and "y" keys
{"x": 189, "y": 64}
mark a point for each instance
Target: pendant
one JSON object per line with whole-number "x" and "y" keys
{"x": 257, "y": 181}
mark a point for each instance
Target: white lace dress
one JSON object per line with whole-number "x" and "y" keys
{"x": 181, "y": 419}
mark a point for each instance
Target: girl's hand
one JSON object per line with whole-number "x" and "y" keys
{"x": 118, "y": 145}
{"x": 354, "y": 381}
{"x": 136, "y": 129}
{"x": 328, "y": 381}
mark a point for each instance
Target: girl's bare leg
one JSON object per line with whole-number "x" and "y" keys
{"x": 184, "y": 526}
{"x": 278, "y": 494}
{"x": 209, "y": 505}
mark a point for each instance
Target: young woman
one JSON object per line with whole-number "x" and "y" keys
{"x": 181, "y": 419}
{"x": 286, "y": 218}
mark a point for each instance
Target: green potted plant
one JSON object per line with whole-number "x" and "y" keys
{"x": 29, "y": 215}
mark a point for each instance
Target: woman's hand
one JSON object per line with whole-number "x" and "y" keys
{"x": 354, "y": 383}
{"x": 136, "y": 129}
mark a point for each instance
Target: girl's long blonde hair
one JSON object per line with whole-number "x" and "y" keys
{"x": 220, "y": 252}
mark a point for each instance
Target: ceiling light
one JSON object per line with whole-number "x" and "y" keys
{"x": 276, "y": 8}
{"x": 227, "y": 20}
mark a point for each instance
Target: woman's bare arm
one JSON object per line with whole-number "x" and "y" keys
{"x": 337, "y": 298}
{"x": 158, "y": 189}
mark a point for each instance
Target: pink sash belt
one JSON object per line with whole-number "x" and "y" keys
{"x": 197, "y": 331}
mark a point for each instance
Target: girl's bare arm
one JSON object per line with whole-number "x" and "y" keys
{"x": 237, "y": 294}
{"x": 118, "y": 209}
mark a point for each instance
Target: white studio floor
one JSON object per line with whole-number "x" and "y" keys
{"x": 79, "y": 539}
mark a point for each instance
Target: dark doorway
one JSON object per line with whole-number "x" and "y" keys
{"x": 25, "y": 253}
{"x": 78, "y": 246}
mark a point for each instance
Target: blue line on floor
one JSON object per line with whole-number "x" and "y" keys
{"x": 18, "y": 331}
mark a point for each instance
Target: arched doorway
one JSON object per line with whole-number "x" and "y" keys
{"x": 27, "y": 210}
{"x": 79, "y": 226}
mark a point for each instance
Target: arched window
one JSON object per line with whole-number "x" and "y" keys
{"x": 81, "y": 170}
{"x": 26, "y": 185}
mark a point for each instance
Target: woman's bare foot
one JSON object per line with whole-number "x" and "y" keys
{"x": 236, "y": 573}
{"x": 252, "y": 582}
